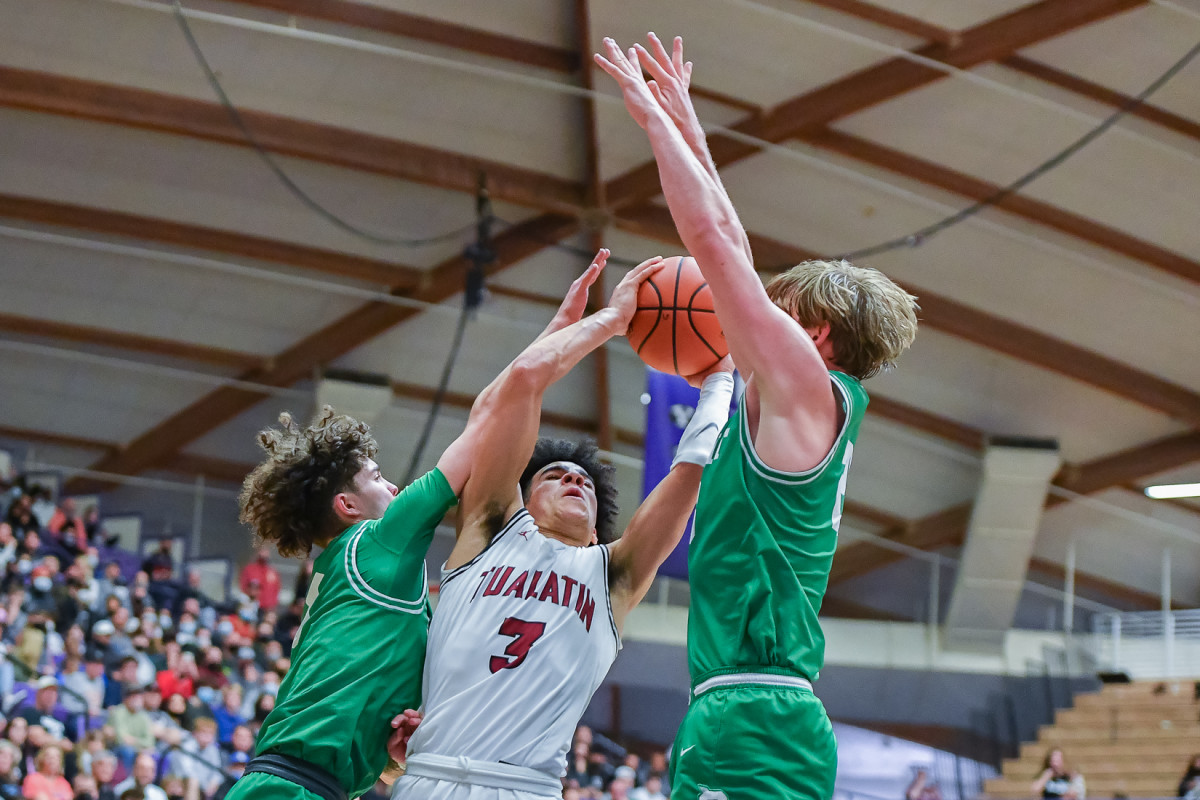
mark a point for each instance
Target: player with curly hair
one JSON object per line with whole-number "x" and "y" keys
{"x": 358, "y": 653}
{"x": 771, "y": 501}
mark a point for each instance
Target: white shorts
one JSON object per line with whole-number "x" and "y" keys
{"x": 432, "y": 777}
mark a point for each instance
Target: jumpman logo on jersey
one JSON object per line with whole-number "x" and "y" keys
{"x": 711, "y": 794}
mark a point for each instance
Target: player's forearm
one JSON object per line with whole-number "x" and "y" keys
{"x": 554, "y": 355}
{"x": 703, "y": 214}
{"x": 693, "y": 134}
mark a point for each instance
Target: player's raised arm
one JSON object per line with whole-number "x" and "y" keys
{"x": 762, "y": 338}
{"x": 660, "y": 521}
{"x": 671, "y": 77}
{"x": 510, "y": 412}
{"x": 457, "y": 460}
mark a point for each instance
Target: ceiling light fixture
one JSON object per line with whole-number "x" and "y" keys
{"x": 1169, "y": 490}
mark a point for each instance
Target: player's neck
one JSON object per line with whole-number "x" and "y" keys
{"x": 580, "y": 538}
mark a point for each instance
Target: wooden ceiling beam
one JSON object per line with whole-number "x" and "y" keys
{"x": 427, "y": 29}
{"x": 949, "y": 526}
{"x": 83, "y": 334}
{"x": 139, "y": 108}
{"x": 56, "y": 439}
{"x": 1042, "y": 213}
{"x": 1103, "y": 95}
{"x": 176, "y": 234}
{"x": 162, "y": 442}
{"x": 211, "y": 468}
{"x": 991, "y": 40}
{"x": 987, "y": 330}
{"x": 894, "y": 20}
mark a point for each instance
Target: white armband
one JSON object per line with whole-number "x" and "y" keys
{"x": 712, "y": 411}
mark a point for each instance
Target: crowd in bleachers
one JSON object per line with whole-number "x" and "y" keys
{"x": 119, "y": 677}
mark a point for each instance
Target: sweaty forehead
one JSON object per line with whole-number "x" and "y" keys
{"x": 562, "y": 466}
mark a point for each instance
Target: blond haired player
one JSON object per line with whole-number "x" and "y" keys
{"x": 771, "y": 500}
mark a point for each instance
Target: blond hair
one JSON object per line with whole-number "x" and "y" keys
{"x": 871, "y": 319}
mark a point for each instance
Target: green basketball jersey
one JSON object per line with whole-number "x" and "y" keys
{"x": 759, "y": 562}
{"x": 360, "y": 650}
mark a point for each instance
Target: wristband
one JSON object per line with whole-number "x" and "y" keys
{"x": 712, "y": 411}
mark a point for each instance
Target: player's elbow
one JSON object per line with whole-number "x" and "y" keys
{"x": 527, "y": 376}
{"x": 717, "y": 241}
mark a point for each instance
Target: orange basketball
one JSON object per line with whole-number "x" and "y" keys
{"x": 675, "y": 328}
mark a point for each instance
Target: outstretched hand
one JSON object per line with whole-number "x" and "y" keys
{"x": 671, "y": 77}
{"x": 624, "y": 297}
{"x": 627, "y": 70}
{"x": 574, "y": 304}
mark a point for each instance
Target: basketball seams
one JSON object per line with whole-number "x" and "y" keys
{"x": 664, "y": 341}
{"x": 650, "y": 282}
{"x": 692, "y": 325}
{"x": 675, "y": 316}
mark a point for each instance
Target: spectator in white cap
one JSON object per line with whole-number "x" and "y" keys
{"x": 44, "y": 709}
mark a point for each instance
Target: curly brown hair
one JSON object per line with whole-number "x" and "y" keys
{"x": 288, "y": 498}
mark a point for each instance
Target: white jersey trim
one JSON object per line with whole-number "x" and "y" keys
{"x": 358, "y": 583}
{"x": 517, "y": 516}
{"x": 804, "y": 476}
{"x": 612, "y": 618}
{"x": 482, "y": 773}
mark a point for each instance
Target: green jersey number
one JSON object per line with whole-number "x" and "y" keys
{"x": 840, "y": 500}
{"x": 309, "y": 600}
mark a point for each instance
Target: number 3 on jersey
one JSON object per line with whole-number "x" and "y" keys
{"x": 526, "y": 634}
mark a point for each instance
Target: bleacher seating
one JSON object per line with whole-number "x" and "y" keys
{"x": 1131, "y": 739}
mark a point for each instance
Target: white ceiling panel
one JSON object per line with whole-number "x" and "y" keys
{"x": 484, "y": 111}
{"x": 1128, "y": 52}
{"x": 112, "y": 402}
{"x": 907, "y": 475}
{"x": 155, "y": 298}
{"x": 999, "y": 137}
{"x": 795, "y": 46}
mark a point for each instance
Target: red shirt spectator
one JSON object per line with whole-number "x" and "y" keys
{"x": 267, "y": 577}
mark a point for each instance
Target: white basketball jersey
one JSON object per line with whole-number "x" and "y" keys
{"x": 521, "y": 638}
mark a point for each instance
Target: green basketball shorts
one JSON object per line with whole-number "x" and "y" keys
{"x": 754, "y": 742}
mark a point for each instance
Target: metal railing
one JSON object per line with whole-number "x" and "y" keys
{"x": 1148, "y": 645}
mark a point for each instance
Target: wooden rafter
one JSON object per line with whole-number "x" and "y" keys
{"x": 327, "y": 144}
{"x": 85, "y": 334}
{"x": 1102, "y": 94}
{"x": 211, "y": 468}
{"x": 995, "y": 39}
{"x": 427, "y": 29}
{"x": 178, "y": 234}
{"x": 165, "y": 440}
{"x": 987, "y": 330}
{"x": 893, "y": 19}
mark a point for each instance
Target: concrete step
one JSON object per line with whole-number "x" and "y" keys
{"x": 1104, "y": 764}
{"x": 1127, "y": 715}
{"x": 1182, "y": 748}
{"x": 1164, "y": 729}
{"x": 1097, "y": 786}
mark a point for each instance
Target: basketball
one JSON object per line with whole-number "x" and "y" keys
{"x": 675, "y": 328}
